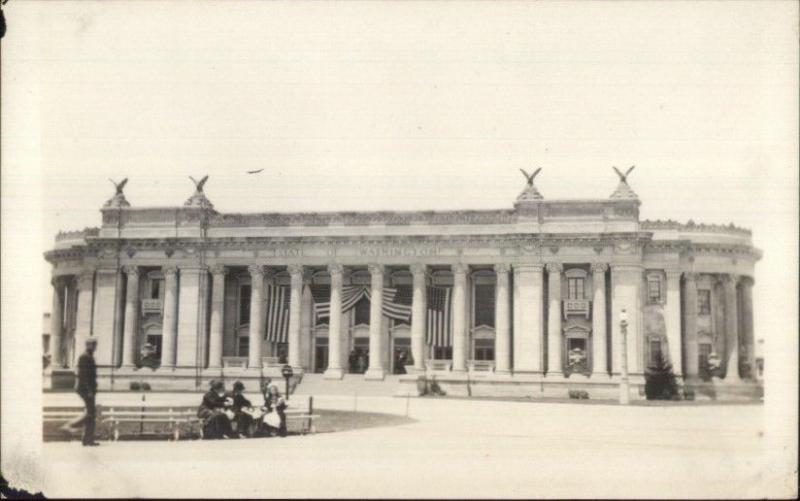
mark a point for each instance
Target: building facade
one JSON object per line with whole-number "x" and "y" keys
{"x": 513, "y": 301}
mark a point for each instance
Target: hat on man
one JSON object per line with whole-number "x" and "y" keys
{"x": 238, "y": 385}
{"x": 217, "y": 385}
{"x": 91, "y": 341}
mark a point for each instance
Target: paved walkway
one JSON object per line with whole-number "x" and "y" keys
{"x": 457, "y": 448}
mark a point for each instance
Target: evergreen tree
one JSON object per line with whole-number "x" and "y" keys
{"x": 660, "y": 382}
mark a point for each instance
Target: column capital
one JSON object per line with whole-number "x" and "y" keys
{"x": 57, "y": 281}
{"x": 672, "y": 274}
{"x": 690, "y": 276}
{"x": 294, "y": 269}
{"x": 418, "y": 269}
{"x": 131, "y": 270}
{"x": 335, "y": 269}
{"x": 459, "y": 268}
{"x": 599, "y": 267}
{"x": 256, "y": 270}
{"x": 502, "y": 268}
{"x": 375, "y": 269}
{"x": 194, "y": 267}
{"x": 85, "y": 280}
{"x": 170, "y": 270}
{"x": 746, "y": 281}
{"x": 269, "y": 272}
{"x": 217, "y": 269}
{"x": 728, "y": 279}
{"x": 554, "y": 267}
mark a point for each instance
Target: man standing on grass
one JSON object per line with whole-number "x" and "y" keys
{"x": 86, "y": 388}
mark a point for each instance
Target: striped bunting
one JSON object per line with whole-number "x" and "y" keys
{"x": 439, "y": 322}
{"x": 278, "y": 298}
{"x": 396, "y": 301}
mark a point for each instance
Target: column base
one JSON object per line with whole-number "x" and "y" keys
{"x": 375, "y": 374}
{"x": 333, "y": 373}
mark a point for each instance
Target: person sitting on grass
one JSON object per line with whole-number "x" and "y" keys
{"x": 243, "y": 411}
{"x": 216, "y": 413}
{"x": 274, "y": 420}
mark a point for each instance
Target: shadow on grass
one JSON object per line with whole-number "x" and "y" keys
{"x": 329, "y": 421}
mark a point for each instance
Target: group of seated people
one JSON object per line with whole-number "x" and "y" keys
{"x": 232, "y": 415}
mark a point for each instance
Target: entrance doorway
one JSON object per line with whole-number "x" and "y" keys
{"x": 401, "y": 355}
{"x": 358, "y": 359}
{"x": 320, "y": 354}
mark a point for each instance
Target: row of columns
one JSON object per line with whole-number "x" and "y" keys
{"x": 183, "y": 317}
{"x": 738, "y": 325}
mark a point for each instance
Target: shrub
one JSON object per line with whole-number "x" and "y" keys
{"x": 660, "y": 382}
{"x": 579, "y": 394}
{"x": 135, "y": 386}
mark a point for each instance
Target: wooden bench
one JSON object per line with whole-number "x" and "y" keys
{"x": 172, "y": 416}
{"x": 55, "y": 414}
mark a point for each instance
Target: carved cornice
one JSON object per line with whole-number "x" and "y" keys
{"x": 691, "y": 226}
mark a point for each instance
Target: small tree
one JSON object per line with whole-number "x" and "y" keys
{"x": 660, "y": 382}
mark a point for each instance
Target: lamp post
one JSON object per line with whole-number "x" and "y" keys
{"x": 624, "y": 393}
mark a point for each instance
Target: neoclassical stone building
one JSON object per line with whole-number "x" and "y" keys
{"x": 526, "y": 300}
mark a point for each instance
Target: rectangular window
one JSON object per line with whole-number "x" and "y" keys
{"x": 653, "y": 290}
{"x": 155, "y": 341}
{"x": 484, "y": 349}
{"x": 243, "y": 349}
{"x": 155, "y": 289}
{"x": 362, "y": 308}
{"x": 703, "y": 302}
{"x": 244, "y": 304}
{"x": 576, "y": 288}
{"x": 484, "y": 305}
{"x": 655, "y": 349}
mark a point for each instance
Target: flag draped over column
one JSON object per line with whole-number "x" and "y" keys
{"x": 396, "y": 301}
{"x": 278, "y": 298}
{"x": 439, "y": 323}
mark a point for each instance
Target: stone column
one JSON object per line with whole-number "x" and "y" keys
{"x": 83, "y": 320}
{"x": 191, "y": 316}
{"x": 307, "y": 316}
{"x": 295, "y": 311}
{"x": 459, "y": 317}
{"x": 335, "y": 370}
{"x": 672, "y": 319}
{"x": 731, "y": 329}
{"x": 528, "y": 318}
{"x": 555, "y": 362}
{"x": 57, "y": 323}
{"x": 215, "y": 336}
{"x": 599, "y": 334}
{"x": 419, "y": 316}
{"x": 746, "y": 325}
{"x": 103, "y": 318}
{"x": 169, "y": 327}
{"x": 502, "y": 321}
{"x": 376, "y": 369}
{"x": 626, "y": 281}
{"x": 256, "y": 315}
{"x": 129, "y": 337}
{"x": 690, "y": 348}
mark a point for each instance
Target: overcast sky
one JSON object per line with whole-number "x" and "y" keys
{"x": 409, "y": 105}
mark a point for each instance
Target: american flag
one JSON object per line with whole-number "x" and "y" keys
{"x": 278, "y": 313}
{"x": 439, "y": 322}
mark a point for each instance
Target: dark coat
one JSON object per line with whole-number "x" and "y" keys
{"x": 87, "y": 375}
{"x": 239, "y": 401}
{"x": 211, "y": 403}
